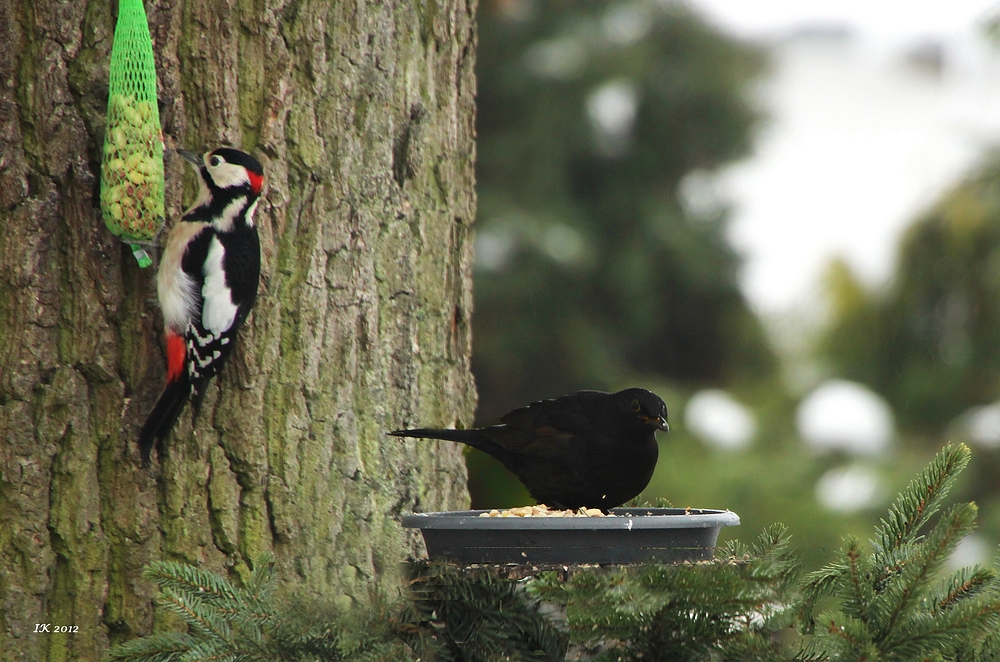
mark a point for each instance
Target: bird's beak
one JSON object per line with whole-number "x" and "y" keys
{"x": 191, "y": 157}
{"x": 659, "y": 422}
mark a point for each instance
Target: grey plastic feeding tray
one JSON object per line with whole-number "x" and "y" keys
{"x": 636, "y": 535}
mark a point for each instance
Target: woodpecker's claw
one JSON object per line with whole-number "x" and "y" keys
{"x": 191, "y": 157}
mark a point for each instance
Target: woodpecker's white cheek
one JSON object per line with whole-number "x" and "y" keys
{"x": 226, "y": 175}
{"x": 219, "y": 311}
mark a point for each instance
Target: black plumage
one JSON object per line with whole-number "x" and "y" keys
{"x": 590, "y": 449}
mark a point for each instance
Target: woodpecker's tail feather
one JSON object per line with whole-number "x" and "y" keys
{"x": 197, "y": 398}
{"x": 161, "y": 420}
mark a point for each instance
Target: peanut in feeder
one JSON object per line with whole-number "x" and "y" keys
{"x": 132, "y": 188}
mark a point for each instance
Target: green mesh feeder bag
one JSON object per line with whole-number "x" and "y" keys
{"x": 132, "y": 168}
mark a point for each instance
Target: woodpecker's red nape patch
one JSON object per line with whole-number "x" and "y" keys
{"x": 256, "y": 182}
{"x": 176, "y": 351}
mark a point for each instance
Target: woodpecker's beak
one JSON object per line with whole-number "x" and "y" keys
{"x": 191, "y": 157}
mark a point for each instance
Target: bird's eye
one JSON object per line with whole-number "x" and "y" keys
{"x": 635, "y": 405}
{"x": 214, "y": 161}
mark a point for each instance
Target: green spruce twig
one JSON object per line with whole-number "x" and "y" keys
{"x": 921, "y": 499}
{"x": 888, "y": 608}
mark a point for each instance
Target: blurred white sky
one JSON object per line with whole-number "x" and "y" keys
{"x": 860, "y": 138}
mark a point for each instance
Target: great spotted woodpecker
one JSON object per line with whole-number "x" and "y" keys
{"x": 207, "y": 283}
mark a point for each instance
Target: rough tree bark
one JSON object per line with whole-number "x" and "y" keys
{"x": 362, "y": 114}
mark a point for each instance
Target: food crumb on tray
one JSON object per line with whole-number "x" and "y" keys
{"x": 542, "y": 510}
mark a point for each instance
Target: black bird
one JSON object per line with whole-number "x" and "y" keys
{"x": 590, "y": 449}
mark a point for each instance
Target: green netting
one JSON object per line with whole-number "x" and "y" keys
{"x": 132, "y": 169}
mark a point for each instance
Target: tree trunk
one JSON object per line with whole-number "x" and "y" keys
{"x": 362, "y": 114}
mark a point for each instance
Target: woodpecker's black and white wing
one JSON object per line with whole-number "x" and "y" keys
{"x": 228, "y": 291}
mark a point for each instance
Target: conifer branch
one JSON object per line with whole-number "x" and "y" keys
{"x": 963, "y": 624}
{"x": 192, "y": 582}
{"x": 858, "y": 596}
{"x": 195, "y": 615}
{"x": 921, "y": 498}
{"x": 822, "y": 582}
{"x": 164, "y": 647}
{"x": 954, "y": 526}
{"x": 965, "y": 584}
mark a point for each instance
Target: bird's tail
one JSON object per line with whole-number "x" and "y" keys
{"x": 479, "y": 438}
{"x": 469, "y": 437}
{"x": 161, "y": 420}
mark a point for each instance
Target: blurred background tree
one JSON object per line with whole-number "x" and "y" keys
{"x": 931, "y": 342}
{"x": 590, "y": 270}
